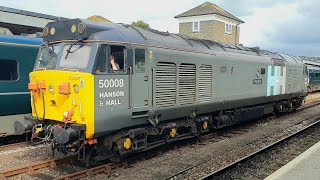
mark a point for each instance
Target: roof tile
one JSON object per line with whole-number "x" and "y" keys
{"x": 208, "y": 8}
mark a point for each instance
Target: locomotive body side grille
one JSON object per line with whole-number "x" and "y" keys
{"x": 187, "y": 84}
{"x": 205, "y": 83}
{"x": 165, "y": 84}
{"x": 292, "y": 79}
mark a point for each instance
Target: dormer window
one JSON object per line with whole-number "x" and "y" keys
{"x": 196, "y": 26}
{"x": 228, "y": 28}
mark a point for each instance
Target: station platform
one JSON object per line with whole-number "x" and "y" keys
{"x": 312, "y": 97}
{"x": 306, "y": 166}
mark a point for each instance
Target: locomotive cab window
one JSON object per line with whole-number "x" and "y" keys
{"x": 75, "y": 56}
{"x": 8, "y": 70}
{"x": 140, "y": 64}
{"x": 111, "y": 59}
{"x": 102, "y": 59}
{"x": 117, "y": 58}
{"x": 47, "y": 57}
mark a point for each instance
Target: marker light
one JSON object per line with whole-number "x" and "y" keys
{"x": 76, "y": 88}
{"x": 45, "y": 31}
{"x": 73, "y": 28}
{"x": 51, "y": 88}
{"x": 81, "y": 27}
{"x": 52, "y": 30}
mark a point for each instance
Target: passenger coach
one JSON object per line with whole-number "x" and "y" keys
{"x": 17, "y": 58}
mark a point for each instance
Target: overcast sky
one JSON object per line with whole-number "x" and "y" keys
{"x": 288, "y": 26}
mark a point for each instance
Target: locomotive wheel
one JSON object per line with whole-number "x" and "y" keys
{"x": 90, "y": 161}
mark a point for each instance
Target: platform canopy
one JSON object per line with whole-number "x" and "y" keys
{"x": 21, "y": 21}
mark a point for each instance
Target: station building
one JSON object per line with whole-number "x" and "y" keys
{"x": 211, "y": 22}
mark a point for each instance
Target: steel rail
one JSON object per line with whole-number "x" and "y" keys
{"x": 11, "y": 146}
{"x": 89, "y": 173}
{"x": 35, "y": 166}
{"x": 234, "y": 163}
{"x": 260, "y": 151}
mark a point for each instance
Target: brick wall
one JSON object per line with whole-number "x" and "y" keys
{"x": 211, "y": 30}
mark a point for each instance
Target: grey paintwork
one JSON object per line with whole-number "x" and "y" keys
{"x": 231, "y": 89}
{"x": 7, "y": 128}
{"x": 237, "y": 80}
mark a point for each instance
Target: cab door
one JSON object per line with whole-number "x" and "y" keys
{"x": 140, "y": 80}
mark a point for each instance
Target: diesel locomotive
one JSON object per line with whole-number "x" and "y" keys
{"x": 17, "y": 57}
{"x": 164, "y": 88}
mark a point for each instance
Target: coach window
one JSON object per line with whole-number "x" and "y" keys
{"x": 140, "y": 63}
{"x": 8, "y": 70}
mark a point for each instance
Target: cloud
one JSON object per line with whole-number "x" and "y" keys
{"x": 289, "y": 26}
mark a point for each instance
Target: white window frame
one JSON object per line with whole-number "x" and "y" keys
{"x": 228, "y": 28}
{"x": 193, "y": 29}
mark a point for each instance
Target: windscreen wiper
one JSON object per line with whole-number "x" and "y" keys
{"x": 69, "y": 49}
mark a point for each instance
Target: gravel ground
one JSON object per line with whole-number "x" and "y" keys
{"x": 264, "y": 164}
{"x": 220, "y": 153}
{"x": 23, "y": 156}
{"x": 221, "y": 148}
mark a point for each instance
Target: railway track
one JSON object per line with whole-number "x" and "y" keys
{"x": 265, "y": 161}
{"x": 107, "y": 168}
{"x": 35, "y": 166}
{"x": 13, "y": 146}
{"x": 230, "y": 133}
{"x": 219, "y": 174}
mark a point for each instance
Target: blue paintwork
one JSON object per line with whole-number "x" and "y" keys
{"x": 14, "y": 97}
{"x": 20, "y": 40}
{"x": 272, "y": 81}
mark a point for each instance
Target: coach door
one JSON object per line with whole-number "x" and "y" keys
{"x": 140, "y": 80}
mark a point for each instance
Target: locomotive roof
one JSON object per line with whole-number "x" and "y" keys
{"x": 20, "y": 39}
{"x": 113, "y": 32}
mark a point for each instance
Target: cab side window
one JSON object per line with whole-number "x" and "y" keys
{"x": 140, "y": 63}
{"x": 117, "y": 58}
{"x": 102, "y": 58}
